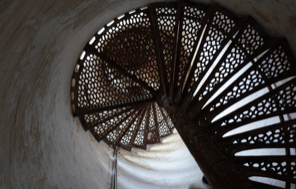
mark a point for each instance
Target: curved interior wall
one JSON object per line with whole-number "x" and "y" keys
{"x": 41, "y": 144}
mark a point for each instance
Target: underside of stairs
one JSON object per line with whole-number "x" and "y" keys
{"x": 225, "y": 85}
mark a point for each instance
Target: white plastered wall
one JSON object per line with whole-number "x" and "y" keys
{"x": 41, "y": 144}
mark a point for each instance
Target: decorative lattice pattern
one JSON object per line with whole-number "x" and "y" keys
{"x": 153, "y": 135}
{"x": 248, "y": 83}
{"x": 231, "y": 80}
{"x": 142, "y": 132}
{"x": 271, "y": 135}
{"x": 276, "y": 64}
{"x": 100, "y": 85}
{"x": 91, "y": 120}
{"x": 130, "y": 135}
{"x": 168, "y": 120}
{"x": 163, "y": 128}
{"x": 191, "y": 30}
{"x": 166, "y": 20}
{"x": 247, "y": 43}
{"x": 133, "y": 34}
{"x": 272, "y": 166}
{"x": 266, "y": 71}
{"x": 100, "y": 131}
{"x": 217, "y": 32}
{"x": 114, "y": 136}
{"x": 267, "y": 105}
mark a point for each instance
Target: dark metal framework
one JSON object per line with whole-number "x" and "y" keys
{"x": 223, "y": 83}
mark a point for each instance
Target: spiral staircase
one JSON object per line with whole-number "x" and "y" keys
{"x": 220, "y": 80}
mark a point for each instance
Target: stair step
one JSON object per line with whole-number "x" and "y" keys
{"x": 129, "y": 137}
{"x": 117, "y": 133}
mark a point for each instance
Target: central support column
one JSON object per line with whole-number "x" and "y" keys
{"x": 217, "y": 168}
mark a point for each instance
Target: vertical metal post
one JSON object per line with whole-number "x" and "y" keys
{"x": 114, "y": 170}
{"x": 219, "y": 171}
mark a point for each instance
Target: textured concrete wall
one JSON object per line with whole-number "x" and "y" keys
{"x": 41, "y": 144}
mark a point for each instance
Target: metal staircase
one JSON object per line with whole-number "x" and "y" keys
{"x": 220, "y": 80}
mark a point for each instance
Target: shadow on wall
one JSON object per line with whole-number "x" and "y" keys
{"x": 199, "y": 185}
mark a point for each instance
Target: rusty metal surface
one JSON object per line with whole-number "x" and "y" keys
{"x": 185, "y": 64}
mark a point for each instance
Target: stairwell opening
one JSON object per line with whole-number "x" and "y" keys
{"x": 223, "y": 71}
